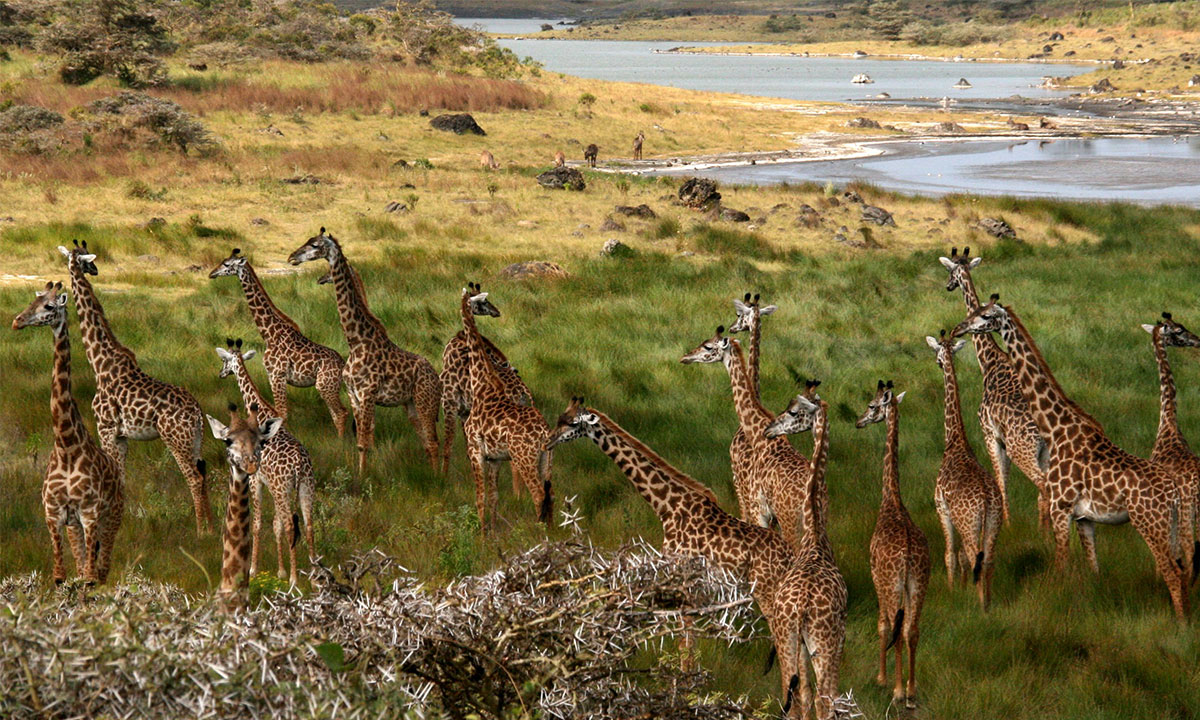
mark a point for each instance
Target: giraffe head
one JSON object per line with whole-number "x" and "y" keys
{"x": 959, "y": 266}
{"x": 232, "y": 265}
{"x": 714, "y": 349}
{"x": 575, "y": 422}
{"x": 478, "y": 300}
{"x": 49, "y": 307}
{"x": 945, "y": 347}
{"x": 79, "y": 256}
{"x": 1173, "y": 334}
{"x": 231, "y": 355}
{"x": 244, "y": 438}
{"x": 986, "y": 319}
{"x": 799, "y": 415}
{"x": 880, "y": 405}
{"x": 748, "y": 311}
{"x": 321, "y": 246}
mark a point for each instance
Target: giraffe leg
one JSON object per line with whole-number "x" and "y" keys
{"x": 110, "y": 524}
{"x": 305, "y": 493}
{"x": 89, "y": 521}
{"x": 364, "y": 418}
{"x": 55, "y": 527}
{"x": 279, "y": 398}
{"x": 805, "y": 708}
{"x": 911, "y": 636}
{"x": 286, "y": 531}
{"x": 329, "y": 386}
{"x": 991, "y": 528}
{"x": 884, "y": 628}
{"x": 898, "y": 688}
{"x": 1087, "y": 539}
{"x": 256, "y": 523}
{"x": 1158, "y": 538}
{"x": 423, "y": 412}
{"x": 1001, "y": 463}
{"x": 943, "y": 512}
{"x": 78, "y": 549}
{"x": 184, "y": 444}
{"x": 449, "y": 428}
{"x": 481, "y": 485}
{"x": 112, "y": 444}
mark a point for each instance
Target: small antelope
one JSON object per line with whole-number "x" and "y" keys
{"x": 487, "y": 161}
{"x": 559, "y": 159}
{"x": 589, "y": 154}
{"x": 637, "y": 145}
{"x": 1017, "y": 125}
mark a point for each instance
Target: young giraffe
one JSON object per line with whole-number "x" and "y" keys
{"x": 750, "y": 494}
{"x": 694, "y": 524}
{"x": 285, "y": 468}
{"x": 131, "y": 405}
{"x": 244, "y": 440}
{"x": 377, "y": 371}
{"x": 1009, "y": 430}
{"x": 812, "y": 597}
{"x": 776, "y": 475}
{"x": 82, "y": 491}
{"x": 500, "y": 429}
{"x": 1089, "y": 478}
{"x": 456, "y": 381}
{"x": 967, "y": 498}
{"x": 289, "y": 357}
{"x": 1171, "y": 449}
{"x": 899, "y": 556}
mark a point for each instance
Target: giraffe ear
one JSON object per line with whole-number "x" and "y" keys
{"x": 932, "y": 342}
{"x": 1149, "y": 328}
{"x": 249, "y": 354}
{"x": 219, "y": 431}
{"x": 900, "y": 397}
{"x": 958, "y": 346}
{"x": 739, "y": 306}
{"x": 767, "y": 310}
{"x": 946, "y": 262}
{"x": 268, "y": 429}
{"x": 61, "y": 299}
{"x": 223, "y": 353}
{"x": 87, "y": 258}
{"x": 974, "y": 263}
{"x": 64, "y": 251}
{"x": 591, "y": 418}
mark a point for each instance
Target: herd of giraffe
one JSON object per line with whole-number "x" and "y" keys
{"x": 1025, "y": 415}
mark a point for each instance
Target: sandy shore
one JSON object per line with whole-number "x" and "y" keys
{"x": 693, "y": 50}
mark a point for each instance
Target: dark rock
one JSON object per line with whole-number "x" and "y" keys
{"x": 779, "y": 206}
{"x": 457, "y": 123}
{"x": 863, "y": 122}
{"x": 1118, "y": 65}
{"x": 852, "y": 197}
{"x": 423, "y": 113}
{"x": 1105, "y": 85}
{"x": 699, "y": 193}
{"x": 997, "y": 228}
{"x": 395, "y": 207}
{"x": 198, "y": 66}
{"x": 734, "y": 215}
{"x": 562, "y": 177}
{"x": 154, "y": 222}
{"x": 615, "y": 248}
{"x": 948, "y": 127}
{"x": 400, "y": 163}
{"x": 809, "y": 217}
{"x": 610, "y": 225}
{"x": 305, "y": 179}
{"x": 641, "y": 211}
{"x": 259, "y": 221}
{"x": 877, "y": 215}
{"x": 1069, "y": 53}
{"x": 1056, "y": 35}
{"x": 534, "y": 269}
{"x": 1194, "y": 81}
{"x": 1047, "y": 49}
{"x": 1108, "y": 39}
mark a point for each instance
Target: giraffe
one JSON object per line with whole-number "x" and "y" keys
{"x": 1009, "y": 431}
{"x": 812, "y": 598}
{"x": 695, "y": 525}
{"x": 377, "y": 371}
{"x": 637, "y": 145}
{"x": 244, "y": 440}
{"x": 500, "y": 429}
{"x": 456, "y": 382}
{"x": 1171, "y": 449}
{"x": 82, "y": 491}
{"x": 967, "y": 498}
{"x": 741, "y": 455}
{"x": 285, "y": 468}
{"x": 289, "y": 357}
{"x": 1088, "y": 477}
{"x": 775, "y": 475}
{"x": 899, "y": 556}
{"x": 129, "y": 404}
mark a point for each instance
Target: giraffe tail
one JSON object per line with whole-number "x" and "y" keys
{"x": 897, "y": 626}
{"x": 978, "y": 567}
{"x": 202, "y": 467}
{"x": 770, "y": 660}
{"x": 787, "y": 702}
{"x": 295, "y": 528}
{"x": 546, "y": 512}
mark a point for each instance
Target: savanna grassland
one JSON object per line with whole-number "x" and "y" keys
{"x": 1083, "y": 278}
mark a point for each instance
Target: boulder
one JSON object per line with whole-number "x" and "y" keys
{"x": 863, "y": 122}
{"x": 734, "y": 215}
{"x": 305, "y": 179}
{"x": 948, "y": 127}
{"x": 1105, "y": 85}
{"x": 809, "y": 217}
{"x": 259, "y": 221}
{"x": 615, "y": 248}
{"x": 877, "y": 215}
{"x": 534, "y": 269}
{"x": 610, "y": 225}
{"x": 562, "y": 177}
{"x": 997, "y": 228}
{"x": 1118, "y": 65}
{"x": 1056, "y": 36}
{"x": 699, "y": 193}
{"x": 457, "y": 123}
{"x": 641, "y": 211}
{"x": 1194, "y": 81}
{"x": 395, "y": 207}
{"x": 852, "y": 197}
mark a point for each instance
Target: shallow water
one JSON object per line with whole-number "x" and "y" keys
{"x": 1142, "y": 170}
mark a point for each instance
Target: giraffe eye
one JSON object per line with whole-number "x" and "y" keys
{"x": 228, "y": 442}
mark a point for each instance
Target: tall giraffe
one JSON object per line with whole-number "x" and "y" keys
{"x": 500, "y": 429}
{"x": 967, "y": 498}
{"x": 812, "y": 597}
{"x": 129, "y": 404}
{"x": 285, "y": 468}
{"x": 1089, "y": 478}
{"x": 289, "y": 357}
{"x": 456, "y": 381}
{"x": 741, "y": 455}
{"x": 377, "y": 371}
{"x": 777, "y": 474}
{"x": 244, "y": 440}
{"x": 82, "y": 491}
{"x": 1171, "y": 448}
{"x": 1009, "y": 431}
{"x": 695, "y": 525}
{"x": 899, "y": 555}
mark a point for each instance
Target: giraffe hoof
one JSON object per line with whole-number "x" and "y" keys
{"x": 910, "y": 703}
{"x": 58, "y": 581}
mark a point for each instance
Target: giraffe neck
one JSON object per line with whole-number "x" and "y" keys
{"x": 956, "y": 432}
{"x": 891, "y": 457}
{"x": 755, "y": 341}
{"x": 753, "y": 417}
{"x": 814, "y": 518}
{"x": 1168, "y": 421}
{"x": 1052, "y": 410}
{"x": 250, "y": 393}
{"x": 654, "y": 478}
{"x": 358, "y": 322}
{"x": 484, "y": 378}
{"x": 235, "y": 555}
{"x": 269, "y": 319}
{"x": 69, "y": 430}
{"x": 99, "y": 343}
{"x": 987, "y": 350}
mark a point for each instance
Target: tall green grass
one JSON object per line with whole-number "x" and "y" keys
{"x": 1054, "y": 645}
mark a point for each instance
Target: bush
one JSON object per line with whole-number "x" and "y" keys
{"x": 28, "y": 118}
{"x": 120, "y": 38}
{"x": 164, "y": 119}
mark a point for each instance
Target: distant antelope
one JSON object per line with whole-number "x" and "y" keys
{"x": 487, "y": 161}
{"x": 589, "y": 154}
{"x": 1046, "y": 124}
{"x": 637, "y": 145}
{"x": 559, "y": 159}
{"x": 1017, "y": 125}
